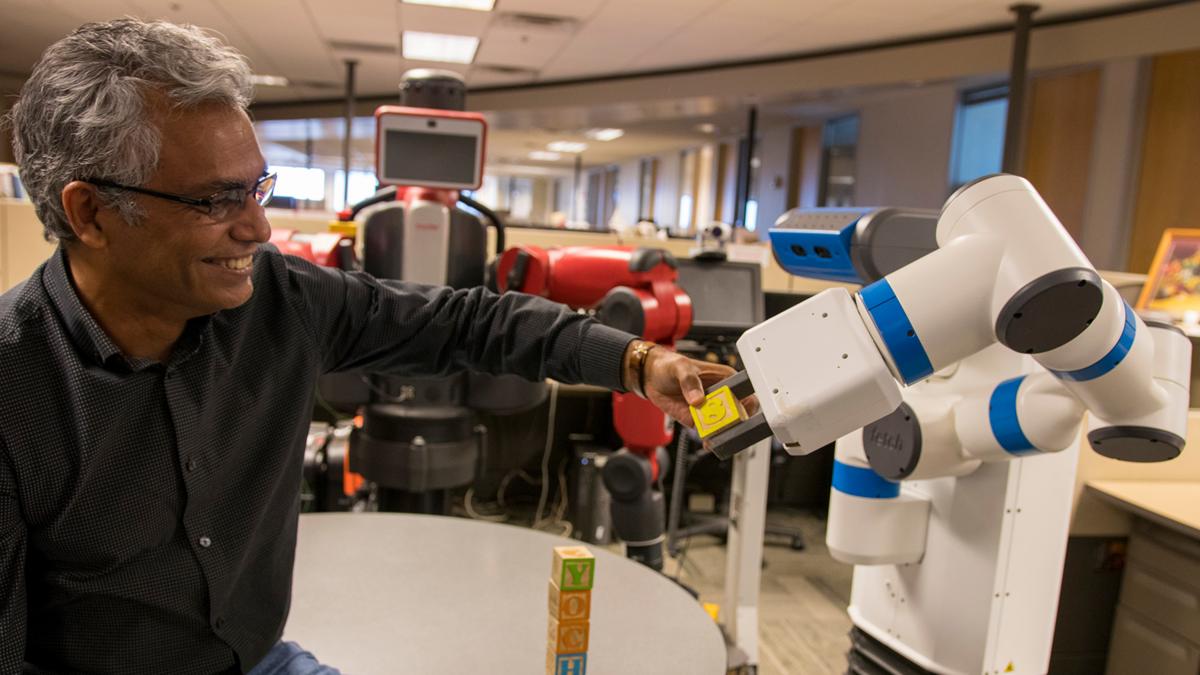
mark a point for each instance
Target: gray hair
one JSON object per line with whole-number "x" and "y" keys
{"x": 82, "y": 113}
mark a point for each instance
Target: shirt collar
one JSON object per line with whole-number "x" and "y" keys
{"x": 92, "y": 341}
{"x": 87, "y": 335}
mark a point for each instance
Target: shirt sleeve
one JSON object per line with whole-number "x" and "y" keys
{"x": 402, "y": 328}
{"x": 12, "y": 572}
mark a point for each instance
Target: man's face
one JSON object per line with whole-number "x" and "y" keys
{"x": 182, "y": 263}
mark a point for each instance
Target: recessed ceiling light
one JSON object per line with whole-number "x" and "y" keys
{"x": 706, "y": 128}
{"x": 604, "y": 134}
{"x": 482, "y": 5}
{"x": 545, "y": 155}
{"x": 439, "y": 47}
{"x": 566, "y": 146}
{"x": 269, "y": 80}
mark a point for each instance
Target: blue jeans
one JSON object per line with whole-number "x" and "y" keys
{"x": 288, "y": 658}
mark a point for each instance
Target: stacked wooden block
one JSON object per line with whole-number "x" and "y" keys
{"x": 570, "y": 610}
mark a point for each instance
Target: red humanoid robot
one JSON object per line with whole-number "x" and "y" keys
{"x": 631, "y": 288}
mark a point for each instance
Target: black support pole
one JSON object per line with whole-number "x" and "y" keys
{"x": 574, "y": 215}
{"x": 346, "y": 140}
{"x": 1016, "y": 86}
{"x": 751, "y": 130}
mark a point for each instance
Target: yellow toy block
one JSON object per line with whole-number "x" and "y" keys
{"x": 565, "y": 664}
{"x": 570, "y": 605}
{"x": 574, "y": 568}
{"x": 720, "y": 411}
{"x": 568, "y": 637}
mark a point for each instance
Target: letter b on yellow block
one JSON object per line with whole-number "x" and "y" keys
{"x": 721, "y": 409}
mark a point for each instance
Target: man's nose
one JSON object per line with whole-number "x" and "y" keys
{"x": 251, "y": 223}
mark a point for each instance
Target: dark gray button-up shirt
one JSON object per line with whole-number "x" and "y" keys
{"x": 148, "y": 513}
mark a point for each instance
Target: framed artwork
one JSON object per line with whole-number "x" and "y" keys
{"x": 1173, "y": 282}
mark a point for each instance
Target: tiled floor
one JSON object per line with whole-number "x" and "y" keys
{"x": 803, "y": 624}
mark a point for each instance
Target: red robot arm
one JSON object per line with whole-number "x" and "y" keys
{"x": 632, "y": 288}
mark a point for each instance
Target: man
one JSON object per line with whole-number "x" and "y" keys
{"x": 160, "y": 367}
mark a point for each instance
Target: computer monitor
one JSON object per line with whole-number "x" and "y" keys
{"x": 422, "y": 147}
{"x": 727, "y": 297}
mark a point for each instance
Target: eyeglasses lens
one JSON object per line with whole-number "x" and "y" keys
{"x": 264, "y": 189}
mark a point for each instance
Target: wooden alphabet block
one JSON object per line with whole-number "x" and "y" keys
{"x": 566, "y": 664}
{"x": 570, "y": 605}
{"x": 721, "y": 410}
{"x": 568, "y": 637}
{"x": 574, "y": 568}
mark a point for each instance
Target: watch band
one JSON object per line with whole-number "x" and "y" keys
{"x": 637, "y": 361}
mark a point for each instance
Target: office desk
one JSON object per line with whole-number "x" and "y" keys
{"x": 379, "y": 593}
{"x": 1157, "y": 625}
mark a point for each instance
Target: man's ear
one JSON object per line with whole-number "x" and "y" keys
{"x": 84, "y": 207}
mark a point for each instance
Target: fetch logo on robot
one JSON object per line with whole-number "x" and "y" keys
{"x": 886, "y": 440}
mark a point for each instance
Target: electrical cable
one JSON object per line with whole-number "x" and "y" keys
{"x": 504, "y": 484}
{"x": 546, "y": 455}
{"x": 498, "y": 518}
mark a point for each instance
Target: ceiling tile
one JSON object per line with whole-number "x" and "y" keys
{"x": 578, "y": 9}
{"x": 292, "y": 41}
{"x": 508, "y": 46}
{"x": 448, "y": 20}
{"x": 362, "y": 21}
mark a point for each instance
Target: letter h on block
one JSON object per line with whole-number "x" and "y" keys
{"x": 567, "y": 664}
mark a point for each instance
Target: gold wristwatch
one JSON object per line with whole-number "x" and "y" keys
{"x": 637, "y": 364}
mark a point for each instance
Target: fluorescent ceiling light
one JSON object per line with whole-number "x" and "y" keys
{"x": 482, "y": 5}
{"x": 545, "y": 156}
{"x": 439, "y": 47}
{"x": 604, "y": 134}
{"x": 269, "y": 80}
{"x": 566, "y": 146}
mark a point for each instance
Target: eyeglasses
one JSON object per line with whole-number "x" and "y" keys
{"x": 218, "y": 206}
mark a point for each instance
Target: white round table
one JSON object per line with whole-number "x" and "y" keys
{"x": 382, "y": 593}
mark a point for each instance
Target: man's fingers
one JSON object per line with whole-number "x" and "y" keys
{"x": 690, "y": 384}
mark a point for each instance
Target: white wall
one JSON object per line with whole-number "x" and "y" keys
{"x": 628, "y": 175}
{"x": 904, "y": 148}
{"x": 666, "y": 196}
{"x": 774, "y": 153}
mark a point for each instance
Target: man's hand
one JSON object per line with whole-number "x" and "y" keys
{"x": 673, "y": 382}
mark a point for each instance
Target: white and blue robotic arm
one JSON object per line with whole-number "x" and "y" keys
{"x": 1004, "y": 272}
{"x": 955, "y": 383}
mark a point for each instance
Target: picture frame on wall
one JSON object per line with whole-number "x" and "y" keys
{"x": 1173, "y": 281}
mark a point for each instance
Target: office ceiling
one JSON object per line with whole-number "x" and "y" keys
{"x": 521, "y": 41}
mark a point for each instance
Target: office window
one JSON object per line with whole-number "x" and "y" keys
{"x": 362, "y": 185}
{"x": 298, "y": 182}
{"x": 839, "y": 168}
{"x": 978, "y": 148}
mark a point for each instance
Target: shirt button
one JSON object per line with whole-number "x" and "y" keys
{"x": 191, "y": 465}
{"x": 220, "y": 622}
{"x": 205, "y": 542}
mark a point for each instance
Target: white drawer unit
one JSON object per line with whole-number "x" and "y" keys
{"x": 1157, "y": 626}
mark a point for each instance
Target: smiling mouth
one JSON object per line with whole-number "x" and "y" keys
{"x": 231, "y": 263}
